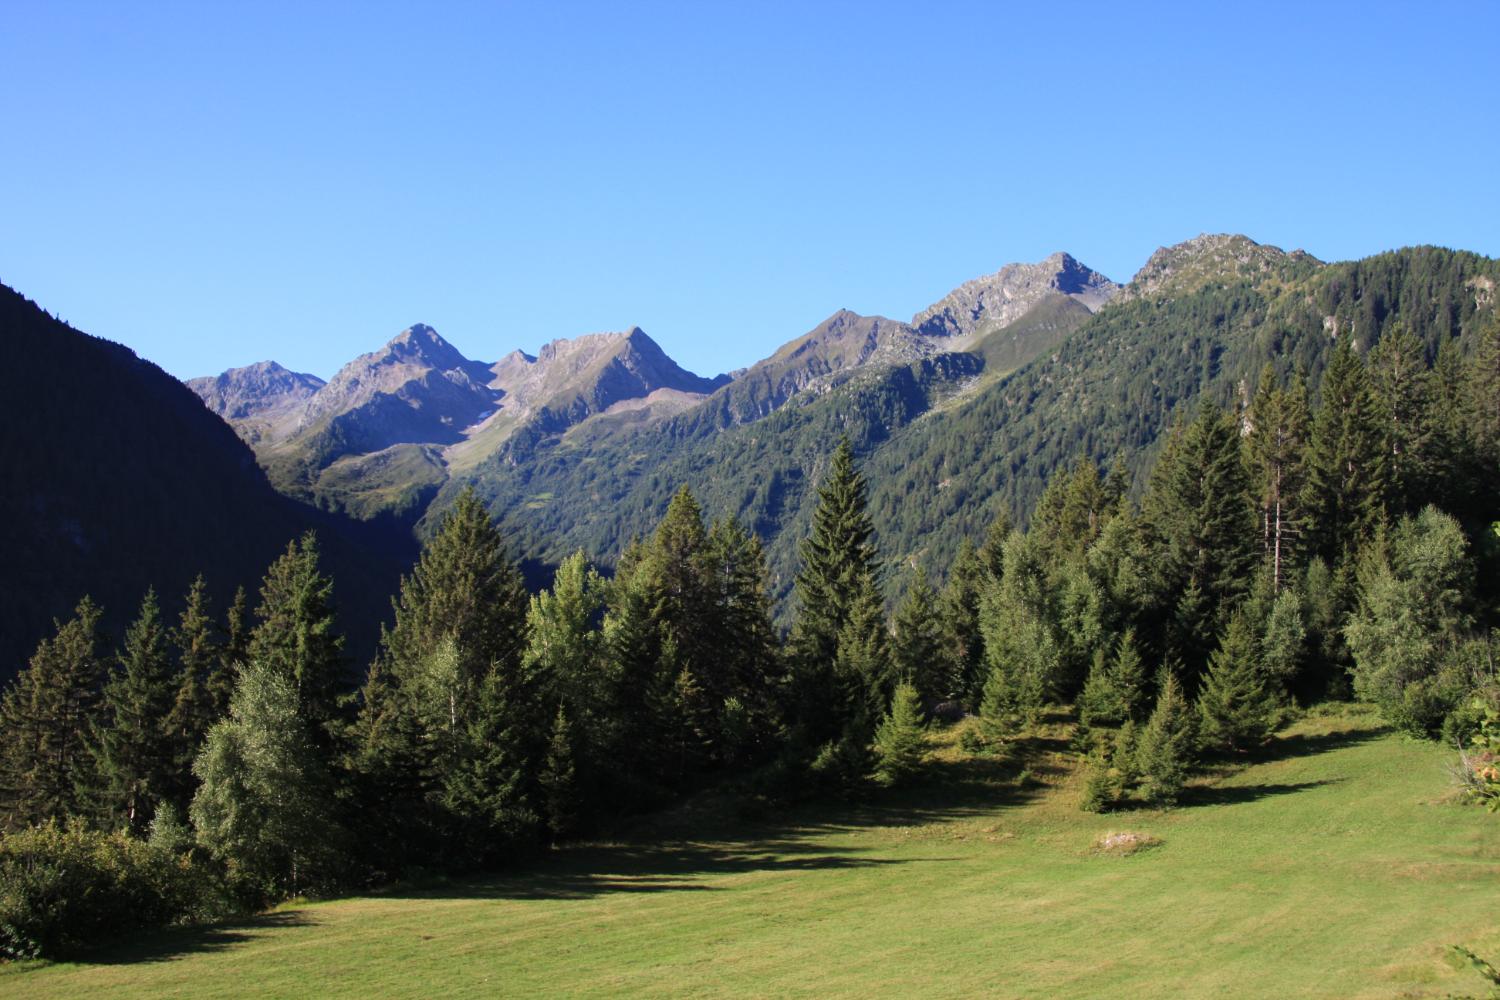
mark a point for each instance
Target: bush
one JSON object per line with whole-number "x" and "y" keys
{"x": 62, "y": 890}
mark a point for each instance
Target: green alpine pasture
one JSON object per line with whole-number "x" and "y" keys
{"x": 1336, "y": 863}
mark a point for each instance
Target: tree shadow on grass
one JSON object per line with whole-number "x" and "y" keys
{"x": 1223, "y": 795}
{"x": 166, "y": 945}
{"x": 1312, "y": 744}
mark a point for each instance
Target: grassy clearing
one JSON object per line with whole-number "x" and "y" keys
{"x": 1334, "y": 865}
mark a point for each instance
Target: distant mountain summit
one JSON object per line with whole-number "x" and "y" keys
{"x": 986, "y": 304}
{"x": 1208, "y": 258}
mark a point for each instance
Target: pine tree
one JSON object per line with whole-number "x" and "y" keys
{"x": 1346, "y": 464}
{"x": 46, "y": 715}
{"x": 919, "y": 656}
{"x": 234, "y": 650}
{"x": 958, "y": 614}
{"x": 899, "y": 739}
{"x": 752, "y": 665}
{"x": 1020, "y": 642}
{"x": 295, "y": 632}
{"x": 1164, "y": 752}
{"x": 1236, "y": 707}
{"x": 132, "y": 742}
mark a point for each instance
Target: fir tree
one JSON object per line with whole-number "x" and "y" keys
{"x": 838, "y": 577}
{"x": 1164, "y": 752}
{"x": 295, "y": 632}
{"x": 1276, "y": 445}
{"x": 958, "y": 613}
{"x": 1402, "y": 384}
{"x": 132, "y": 744}
{"x": 919, "y": 655}
{"x": 1199, "y": 512}
{"x": 899, "y": 739}
{"x": 1236, "y": 708}
{"x": 1346, "y": 463}
{"x": 46, "y": 715}
{"x": 752, "y": 666}
{"x": 559, "y": 781}
{"x": 193, "y": 707}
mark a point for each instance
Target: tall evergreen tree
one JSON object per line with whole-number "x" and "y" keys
{"x": 919, "y": 655}
{"x": 1276, "y": 444}
{"x": 1402, "y": 383}
{"x": 838, "y": 579}
{"x": 193, "y": 708}
{"x": 295, "y": 632}
{"x": 1199, "y": 513}
{"x": 132, "y": 741}
{"x": 1237, "y": 708}
{"x": 46, "y": 715}
{"x": 1164, "y": 752}
{"x": 1346, "y": 468}
{"x": 752, "y": 668}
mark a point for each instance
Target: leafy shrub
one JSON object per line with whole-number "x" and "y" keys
{"x": 64, "y": 889}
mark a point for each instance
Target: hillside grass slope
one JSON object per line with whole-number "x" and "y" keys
{"x": 1333, "y": 864}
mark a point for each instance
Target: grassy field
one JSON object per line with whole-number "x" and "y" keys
{"x": 1333, "y": 865}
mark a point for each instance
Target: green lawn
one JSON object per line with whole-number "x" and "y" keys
{"x": 1335, "y": 865}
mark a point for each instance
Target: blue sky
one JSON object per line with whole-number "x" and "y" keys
{"x": 215, "y": 184}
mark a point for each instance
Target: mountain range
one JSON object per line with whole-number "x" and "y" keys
{"x": 958, "y": 415}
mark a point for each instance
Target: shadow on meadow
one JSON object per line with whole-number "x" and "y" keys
{"x": 165, "y": 946}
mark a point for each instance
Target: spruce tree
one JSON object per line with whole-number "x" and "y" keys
{"x": 193, "y": 708}
{"x": 1344, "y": 496}
{"x": 958, "y": 614}
{"x": 838, "y": 576}
{"x": 752, "y": 667}
{"x": 899, "y": 739}
{"x": 134, "y": 753}
{"x": 559, "y": 779}
{"x": 1164, "y": 751}
{"x": 46, "y": 716}
{"x": 1199, "y": 513}
{"x": 919, "y": 655}
{"x": 295, "y": 632}
{"x": 1403, "y": 385}
{"x": 1276, "y": 446}
{"x": 1236, "y": 707}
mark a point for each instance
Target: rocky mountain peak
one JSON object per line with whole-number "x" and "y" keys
{"x": 1208, "y": 257}
{"x": 254, "y": 390}
{"x": 996, "y": 300}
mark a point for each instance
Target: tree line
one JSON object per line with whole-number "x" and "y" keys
{"x": 1282, "y": 552}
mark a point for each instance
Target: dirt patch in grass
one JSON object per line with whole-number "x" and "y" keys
{"x": 1125, "y": 843}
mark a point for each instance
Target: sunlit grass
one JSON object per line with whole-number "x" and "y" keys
{"x": 1335, "y": 865}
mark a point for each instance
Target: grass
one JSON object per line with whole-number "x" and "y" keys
{"x": 1334, "y": 864}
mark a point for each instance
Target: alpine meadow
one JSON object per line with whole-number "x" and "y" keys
{"x": 1066, "y": 636}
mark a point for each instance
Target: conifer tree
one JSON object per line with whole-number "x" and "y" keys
{"x": 295, "y": 632}
{"x": 1199, "y": 513}
{"x": 1403, "y": 384}
{"x": 919, "y": 656}
{"x": 234, "y": 650}
{"x": 1277, "y": 444}
{"x": 1236, "y": 707}
{"x": 132, "y": 742}
{"x": 559, "y": 780}
{"x": 1025, "y": 661}
{"x": 1164, "y": 751}
{"x": 1346, "y": 463}
{"x": 836, "y": 585}
{"x": 641, "y": 674}
{"x": 46, "y": 715}
{"x": 898, "y": 738}
{"x": 193, "y": 709}
{"x": 958, "y": 614}
{"x": 752, "y": 667}
{"x": 1283, "y": 641}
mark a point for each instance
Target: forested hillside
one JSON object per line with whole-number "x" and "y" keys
{"x": 120, "y": 480}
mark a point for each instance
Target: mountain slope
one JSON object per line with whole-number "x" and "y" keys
{"x": 121, "y": 479}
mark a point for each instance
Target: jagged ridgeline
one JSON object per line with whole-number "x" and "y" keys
{"x": 958, "y": 415}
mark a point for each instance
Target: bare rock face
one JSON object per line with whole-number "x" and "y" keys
{"x": 1209, "y": 257}
{"x": 996, "y": 300}
{"x": 264, "y": 390}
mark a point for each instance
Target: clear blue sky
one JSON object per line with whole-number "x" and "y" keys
{"x": 214, "y": 184}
